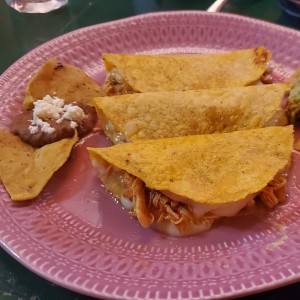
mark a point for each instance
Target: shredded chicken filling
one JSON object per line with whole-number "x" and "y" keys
{"x": 116, "y": 85}
{"x": 274, "y": 192}
{"x": 156, "y": 205}
{"x": 148, "y": 205}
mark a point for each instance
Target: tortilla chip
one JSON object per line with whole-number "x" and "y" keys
{"x": 212, "y": 169}
{"x": 64, "y": 81}
{"x": 25, "y": 170}
{"x": 177, "y": 113}
{"x": 155, "y": 73}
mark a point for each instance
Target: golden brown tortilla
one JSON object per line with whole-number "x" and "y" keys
{"x": 178, "y": 113}
{"x": 212, "y": 169}
{"x": 25, "y": 170}
{"x": 155, "y": 73}
{"x": 64, "y": 81}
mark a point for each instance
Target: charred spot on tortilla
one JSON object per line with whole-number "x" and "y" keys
{"x": 63, "y": 80}
{"x": 131, "y": 73}
{"x": 182, "y": 194}
{"x": 58, "y": 66}
{"x": 133, "y": 117}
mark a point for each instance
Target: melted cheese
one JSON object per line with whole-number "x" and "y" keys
{"x": 171, "y": 229}
{"x": 220, "y": 210}
{"x": 115, "y": 136}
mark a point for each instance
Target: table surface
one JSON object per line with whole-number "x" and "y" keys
{"x": 20, "y": 33}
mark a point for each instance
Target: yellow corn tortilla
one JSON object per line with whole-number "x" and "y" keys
{"x": 155, "y": 73}
{"x": 24, "y": 170}
{"x": 64, "y": 81}
{"x": 178, "y": 113}
{"x": 212, "y": 169}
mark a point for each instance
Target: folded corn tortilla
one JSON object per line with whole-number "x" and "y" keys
{"x": 134, "y": 117}
{"x": 127, "y": 73}
{"x": 185, "y": 183}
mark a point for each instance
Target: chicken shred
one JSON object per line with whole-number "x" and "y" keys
{"x": 150, "y": 205}
{"x": 168, "y": 209}
{"x": 142, "y": 213}
{"x": 127, "y": 182}
{"x": 274, "y": 192}
{"x": 115, "y": 85}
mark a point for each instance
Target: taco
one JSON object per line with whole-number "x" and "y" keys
{"x": 181, "y": 185}
{"x": 133, "y": 117}
{"x": 130, "y": 73}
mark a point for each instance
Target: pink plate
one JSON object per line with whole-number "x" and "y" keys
{"x": 77, "y": 236}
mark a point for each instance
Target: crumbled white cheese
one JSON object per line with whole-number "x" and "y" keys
{"x": 54, "y": 108}
{"x": 73, "y": 124}
{"x": 72, "y": 113}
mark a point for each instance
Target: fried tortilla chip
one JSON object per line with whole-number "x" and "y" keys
{"x": 155, "y": 73}
{"x": 64, "y": 81}
{"x": 25, "y": 170}
{"x": 209, "y": 169}
{"x": 134, "y": 117}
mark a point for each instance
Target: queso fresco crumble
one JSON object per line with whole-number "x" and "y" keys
{"x": 54, "y": 108}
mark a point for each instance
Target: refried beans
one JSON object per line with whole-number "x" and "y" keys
{"x": 20, "y": 126}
